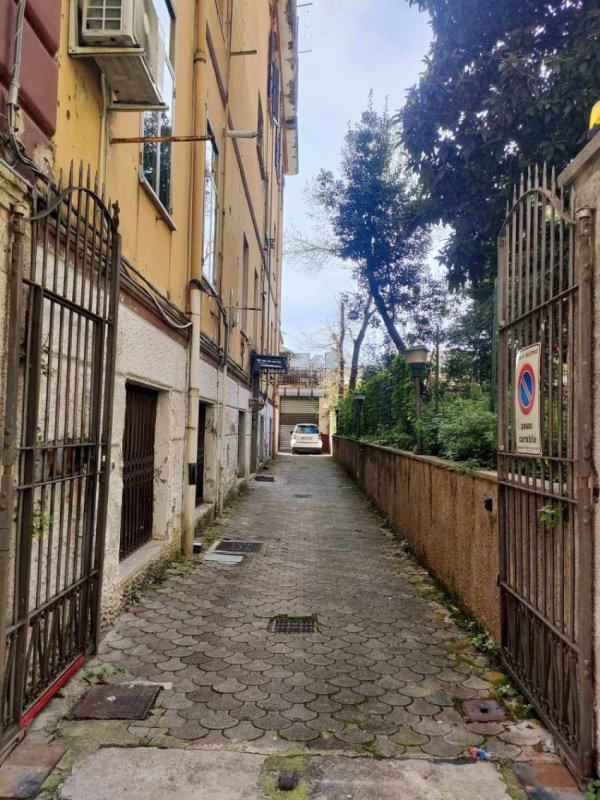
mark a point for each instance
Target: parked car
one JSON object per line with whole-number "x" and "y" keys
{"x": 306, "y": 439}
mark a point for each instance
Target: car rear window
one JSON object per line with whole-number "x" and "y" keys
{"x": 307, "y": 428}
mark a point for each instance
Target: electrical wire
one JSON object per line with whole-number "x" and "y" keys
{"x": 12, "y": 99}
{"x": 164, "y": 310}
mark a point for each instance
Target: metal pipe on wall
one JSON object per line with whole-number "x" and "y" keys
{"x": 196, "y": 212}
{"x": 222, "y": 396}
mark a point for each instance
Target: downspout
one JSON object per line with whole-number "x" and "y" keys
{"x": 103, "y": 126}
{"x": 223, "y": 394}
{"x": 196, "y": 213}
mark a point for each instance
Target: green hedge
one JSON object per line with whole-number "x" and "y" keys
{"x": 459, "y": 426}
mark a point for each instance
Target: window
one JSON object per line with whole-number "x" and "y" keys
{"x": 157, "y": 158}
{"x": 278, "y": 151}
{"x": 274, "y": 80}
{"x": 256, "y": 310}
{"x": 211, "y": 205}
{"x": 260, "y": 141}
{"x": 245, "y": 276}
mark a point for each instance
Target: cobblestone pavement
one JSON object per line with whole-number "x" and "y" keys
{"x": 382, "y": 675}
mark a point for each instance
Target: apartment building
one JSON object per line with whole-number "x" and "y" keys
{"x": 138, "y": 341}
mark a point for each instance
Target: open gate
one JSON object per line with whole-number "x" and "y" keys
{"x": 62, "y": 330}
{"x": 544, "y": 460}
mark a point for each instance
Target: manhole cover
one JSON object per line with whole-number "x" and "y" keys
{"x": 265, "y": 479}
{"x": 230, "y": 546}
{"x": 285, "y": 624}
{"x": 483, "y": 711}
{"x": 123, "y": 701}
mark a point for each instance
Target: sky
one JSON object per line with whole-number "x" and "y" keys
{"x": 356, "y": 46}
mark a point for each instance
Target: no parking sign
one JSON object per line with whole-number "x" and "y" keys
{"x": 528, "y": 426}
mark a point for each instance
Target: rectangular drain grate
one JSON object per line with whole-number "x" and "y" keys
{"x": 265, "y": 479}
{"x": 122, "y": 701}
{"x": 483, "y": 711}
{"x": 285, "y": 624}
{"x": 231, "y": 546}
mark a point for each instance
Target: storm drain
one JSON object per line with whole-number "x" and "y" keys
{"x": 265, "y": 479}
{"x": 231, "y": 546}
{"x": 483, "y": 711}
{"x": 287, "y": 624}
{"x": 122, "y": 701}
{"x": 303, "y": 496}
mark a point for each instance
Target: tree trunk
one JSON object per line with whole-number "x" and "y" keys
{"x": 384, "y": 313}
{"x": 368, "y": 313}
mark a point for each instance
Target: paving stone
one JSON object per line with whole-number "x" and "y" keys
{"x": 298, "y": 732}
{"x": 273, "y": 721}
{"x": 300, "y": 713}
{"x": 218, "y": 720}
{"x": 248, "y": 711}
{"x": 408, "y": 737}
{"x": 274, "y": 702}
{"x": 384, "y": 669}
{"x": 252, "y": 694}
{"x": 440, "y": 747}
{"x": 191, "y": 731}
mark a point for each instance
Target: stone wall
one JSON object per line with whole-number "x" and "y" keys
{"x": 441, "y": 513}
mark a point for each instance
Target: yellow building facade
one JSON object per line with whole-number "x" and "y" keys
{"x": 193, "y": 136}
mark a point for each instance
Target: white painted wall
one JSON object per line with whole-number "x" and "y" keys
{"x": 148, "y": 357}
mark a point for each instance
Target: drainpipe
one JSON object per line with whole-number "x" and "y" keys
{"x": 196, "y": 213}
{"x": 103, "y": 127}
{"x": 222, "y": 396}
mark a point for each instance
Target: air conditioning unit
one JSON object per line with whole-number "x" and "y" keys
{"x": 106, "y": 22}
{"x": 136, "y": 77}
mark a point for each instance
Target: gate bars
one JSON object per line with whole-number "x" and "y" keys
{"x": 545, "y": 268}
{"x": 64, "y": 288}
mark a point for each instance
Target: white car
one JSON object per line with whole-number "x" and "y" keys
{"x": 307, "y": 439}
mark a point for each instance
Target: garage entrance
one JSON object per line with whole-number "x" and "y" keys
{"x": 295, "y": 411}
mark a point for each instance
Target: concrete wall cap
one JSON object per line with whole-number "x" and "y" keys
{"x": 434, "y": 461}
{"x": 582, "y": 161}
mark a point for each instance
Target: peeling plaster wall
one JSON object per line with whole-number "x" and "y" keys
{"x": 237, "y": 398}
{"x": 148, "y": 357}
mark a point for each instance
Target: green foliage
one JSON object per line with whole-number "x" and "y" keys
{"x": 467, "y": 431}
{"x": 369, "y": 207}
{"x": 42, "y": 521}
{"x": 459, "y": 428}
{"x": 551, "y": 516}
{"x": 593, "y": 790}
{"x": 506, "y": 84}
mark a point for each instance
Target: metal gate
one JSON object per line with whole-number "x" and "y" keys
{"x": 137, "y": 510}
{"x": 545, "y": 268}
{"x": 62, "y": 322}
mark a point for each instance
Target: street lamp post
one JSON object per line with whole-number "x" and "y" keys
{"x": 359, "y": 399}
{"x": 416, "y": 358}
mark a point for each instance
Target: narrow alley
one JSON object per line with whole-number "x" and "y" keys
{"x": 382, "y": 676}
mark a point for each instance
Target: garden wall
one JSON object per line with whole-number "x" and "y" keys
{"x": 441, "y": 513}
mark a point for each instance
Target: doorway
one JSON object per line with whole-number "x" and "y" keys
{"x": 241, "y": 465}
{"x": 201, "y": 454}
{"x": 137, "y": 510}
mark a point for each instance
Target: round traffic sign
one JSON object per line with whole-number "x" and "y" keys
{"x": 526, "y": 389}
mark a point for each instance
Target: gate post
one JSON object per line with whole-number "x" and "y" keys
{"x": 19, "y": 211}
{"x": 584, "y": 263}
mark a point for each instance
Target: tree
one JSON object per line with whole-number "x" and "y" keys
{"x": 507, "y": 84}
{"x": 369, "y": 208}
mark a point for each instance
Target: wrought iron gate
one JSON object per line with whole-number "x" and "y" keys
{"x": 545, "y": 267}
{"x": 62, "y": 331}
{"x": 138, "y": 469}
